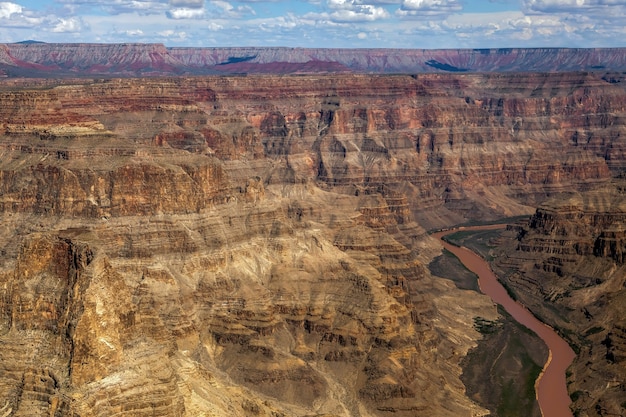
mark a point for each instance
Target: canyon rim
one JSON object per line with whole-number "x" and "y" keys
{"x": 179, "y": 243}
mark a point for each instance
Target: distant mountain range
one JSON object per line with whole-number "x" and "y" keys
{"x": 38, "y": 59}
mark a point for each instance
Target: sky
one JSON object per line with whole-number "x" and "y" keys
{"x": 427, "y": 24}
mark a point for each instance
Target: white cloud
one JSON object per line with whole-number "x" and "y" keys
{"x": 214, "y": 27}
{"x": 185, "y": 13}
{"x": 224, "y": 9}
{"x": 15, "y": 16}
{"x": 71, "y": 25}
{"x": 340, "y": 4}
{"x": 317, "y": 23}
{"x": 516, "y": 29}
{"x": 428, "y": 7}
{"x": 172, "y": 34}
{"x": 133, "y": 33}
{"x": 573, "y": 6}
{"x": 355, "y": 11}
{"x": 8, "y": 9}
{"x": 365, "y": 13}
{"x": 123, "y": 6}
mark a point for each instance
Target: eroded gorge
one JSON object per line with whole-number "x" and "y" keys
{"x": 258, "y": 245}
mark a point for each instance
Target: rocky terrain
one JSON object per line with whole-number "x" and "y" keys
{"x": 568, "y": 265}
{"x": 38, "y": 59}
{"x": 501, "y": 371}
{"x": 256, "y": 245}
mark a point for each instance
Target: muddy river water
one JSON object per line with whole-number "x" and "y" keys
{"x": 550, "y": 387}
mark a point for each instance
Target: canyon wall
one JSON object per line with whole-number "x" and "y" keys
{"x": 567, "y": 265}
{"x": 263, "y": 238}
{"x": 466, "y": 146}
{"x": 32, "y": 59}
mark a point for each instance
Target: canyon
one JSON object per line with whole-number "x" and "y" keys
{"x": 40, "y": 59}
{"x": 257, "y": 244}
{"x": 566, "y": 263}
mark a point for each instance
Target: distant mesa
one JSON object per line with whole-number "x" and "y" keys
{"x": 28, "y": 42}
{"x": 35, "y": 59}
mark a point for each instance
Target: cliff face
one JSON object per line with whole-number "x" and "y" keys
{"x": 418, "y": 60}
{"x": 42, "y": 59}
{"x": 579, "y": 225}
{"x": 568, "y": 266}
{"x": 451, "y": 142}
{"x": 262, "y": 239}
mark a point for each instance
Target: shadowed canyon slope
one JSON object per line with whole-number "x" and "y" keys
{"x": 263, "y": 238}
{"x": 567, "y": 264}
{"x": 32, "y": 59}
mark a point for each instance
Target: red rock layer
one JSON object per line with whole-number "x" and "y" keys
{"x": 258, "y": 237}
{"x": 447, "y": 138}
{"x": 156, "y": 59}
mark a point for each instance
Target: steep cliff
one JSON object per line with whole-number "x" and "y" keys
{"x": 262, "y": 238}
{"x": 568, "y": 266}
{"x": 80, "y": 59}
{"x": 471, "y": 145}
{"x": 417, "y": 60}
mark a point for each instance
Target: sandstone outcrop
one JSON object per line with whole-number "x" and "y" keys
{"x": 262, "y": 238}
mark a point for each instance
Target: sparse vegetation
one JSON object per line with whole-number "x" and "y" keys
{"x": 594, "y": 330}
{"x": 478, "y": 241}
{"x": 486, "y": 326}
{"x": 448, "y": 266}
{"x": 502, "y": 370}
{"x": 509, "y": 290}
{"x": 513, "y": 397}
{"x": 574, "y": 396}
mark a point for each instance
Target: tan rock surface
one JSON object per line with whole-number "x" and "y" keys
{"x": 255, "y": 245}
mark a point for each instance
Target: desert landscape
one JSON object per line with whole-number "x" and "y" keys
{"x": 257, "y": 242}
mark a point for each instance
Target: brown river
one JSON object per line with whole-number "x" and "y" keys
{"x": 550, "y": 387}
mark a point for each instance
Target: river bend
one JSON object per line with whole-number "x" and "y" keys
{"x": 551, "y": 386}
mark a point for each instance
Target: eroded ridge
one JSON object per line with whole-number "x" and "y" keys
{"x": 263, "y": 239}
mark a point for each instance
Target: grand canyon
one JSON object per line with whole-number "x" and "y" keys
{"x": 256, "y": 241}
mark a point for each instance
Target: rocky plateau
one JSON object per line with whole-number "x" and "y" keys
{"x": 256, "y": 245}
{"x": 39, "y": 59}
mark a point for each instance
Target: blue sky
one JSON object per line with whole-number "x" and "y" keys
{"x": 320, "y": 23}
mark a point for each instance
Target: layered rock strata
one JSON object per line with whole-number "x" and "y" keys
{"x": 262, "y": 239}
{"x": 33, "y": 59}
{"x": 569, "y": 268}
{"x": 481, "y": 144}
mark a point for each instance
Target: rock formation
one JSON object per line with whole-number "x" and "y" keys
{"x": 255, "y": 245}
{"x": 39, "y": 59}
{"x": 569, "y": 267}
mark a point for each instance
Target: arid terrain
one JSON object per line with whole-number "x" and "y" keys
{"x": 39, "y": 59}
{"x": 567, "y": 264}
{"x": 258, "y": 245}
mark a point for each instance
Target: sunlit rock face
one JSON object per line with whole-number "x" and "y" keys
{"x": 256, "y": 245}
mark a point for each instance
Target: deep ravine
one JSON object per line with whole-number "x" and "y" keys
{"x": 550, "y": 387}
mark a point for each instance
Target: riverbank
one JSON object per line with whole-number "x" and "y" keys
{"x": 501, "y": 371}
{"x": 551, "y": 386}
